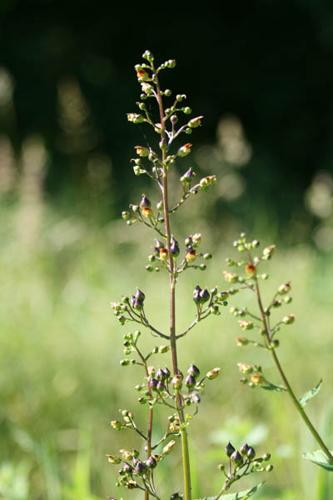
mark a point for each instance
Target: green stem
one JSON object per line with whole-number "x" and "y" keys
{"x": 291, "y": 392}
{"x": 301, "y": 410}
{"x": 172, "y": 287}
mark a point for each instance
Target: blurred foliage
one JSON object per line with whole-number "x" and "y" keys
{"x": 65, "y": 74}
{"x": 60, "y": 379}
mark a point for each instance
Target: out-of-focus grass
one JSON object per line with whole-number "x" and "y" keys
{"x": 61, "y": 383}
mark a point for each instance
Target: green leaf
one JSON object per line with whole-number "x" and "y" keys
{"x": 238, "y": 495}
{"x": 268, "y": 386}
{"x": 310, "y": 394}
{"x": 318, "y": 457}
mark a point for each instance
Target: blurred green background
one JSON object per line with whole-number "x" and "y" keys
{"x": 261, "y": 74}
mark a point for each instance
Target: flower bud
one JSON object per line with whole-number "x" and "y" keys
{"x": 208, "y": 181}
{"x": 196, "y": 239}
{"x": 268, "y": 252}
{"x": 246, "y": 325}
{"x": 284, "y": 288}
{"x": 152, "y": 384}
{"x": 174, "y": 247}
{"x": 139, "y": 468}
{"x": 257, "y": 378}
{"x": 187, "y": 177}
{"x": 164, "y": 254}
{"x": 113, "y": 460}
{"x": 241, "y": 341}
{"x": 204, "y": 296}
{"x": 190, "y": 381}
{"x": 195, "y": 122}
{"x": 214, "y": 373}
{"x": 229, "y": 449}
{"x": 187, "y": 110}
{"x": 135, "y": 118}
{"x": 145, "y": 206}
{"x": 237, "y": 458}
{"x": 244, "y": 368}
{"x": 163, "y": 349}
{"x": 269, "y": 468}
{"x": 160, "y": 386}
{"x": 127, "y": 468}
{"x": 194, "y": 371}
{"x": 116, "y": 425}
{"x": 244, "y": 449}
{"x": 151, "y": 462}
{"x": 125, "y": 215}
{"x": 166, "y": 373}
{"x": 141, "y": 151}
{"x": 288, "y": 320}
{"x": 196, "y": 294}
{"x": 251, "y": 453}
{"x": 184, "y": 150}
{"x": 177, "y": 381}
{"x": 142, "y": 75}
{"x": 250, "y": 269}
{"x": 191, "y": 255}
{"x": 148, "y": 56}
{"x": 171, "y": 63}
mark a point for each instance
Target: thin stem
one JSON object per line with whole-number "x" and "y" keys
{"x": 148, "y": 438}
{"x": 172, "y": 303}
{"x": 299, "y": 407}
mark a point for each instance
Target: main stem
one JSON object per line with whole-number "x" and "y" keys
{"x": 172, "y": 304}
{"x": 290, "y": 391}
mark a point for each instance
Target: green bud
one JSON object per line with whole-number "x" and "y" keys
{"x": 135, "y": 118}
{"x": 116, "y": 425}
{"x": 187, "y": 110}
{"x": 288, "y": 320}
{"x": 148, "y": 56}
{"x": 214, "y": 373}
{"x": 124, "y": 362}
{"x": 195, "y": 122}
{"x": 163, "y": 349}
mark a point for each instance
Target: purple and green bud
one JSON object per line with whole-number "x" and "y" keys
{"x": 187, "y": 177}
{"x": 194, "y": 371}
{"x": 151, "y": 462}
{"x": 190, "y": 381}
{"x": 174, "y": 247}
{"x": 237, "y": 458}
{"x": 229, "y": 449}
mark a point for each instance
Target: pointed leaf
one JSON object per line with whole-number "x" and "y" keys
{"x": 318, "y": 457}
{"x": 310, "y": 394}
{"x": 268, "y": 386}
{"x": 237, "y": 496}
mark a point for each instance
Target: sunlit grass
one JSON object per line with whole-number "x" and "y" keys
{"x": 61, "y": 383}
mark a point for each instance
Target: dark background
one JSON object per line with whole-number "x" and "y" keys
{"x": 267, "y": 62}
